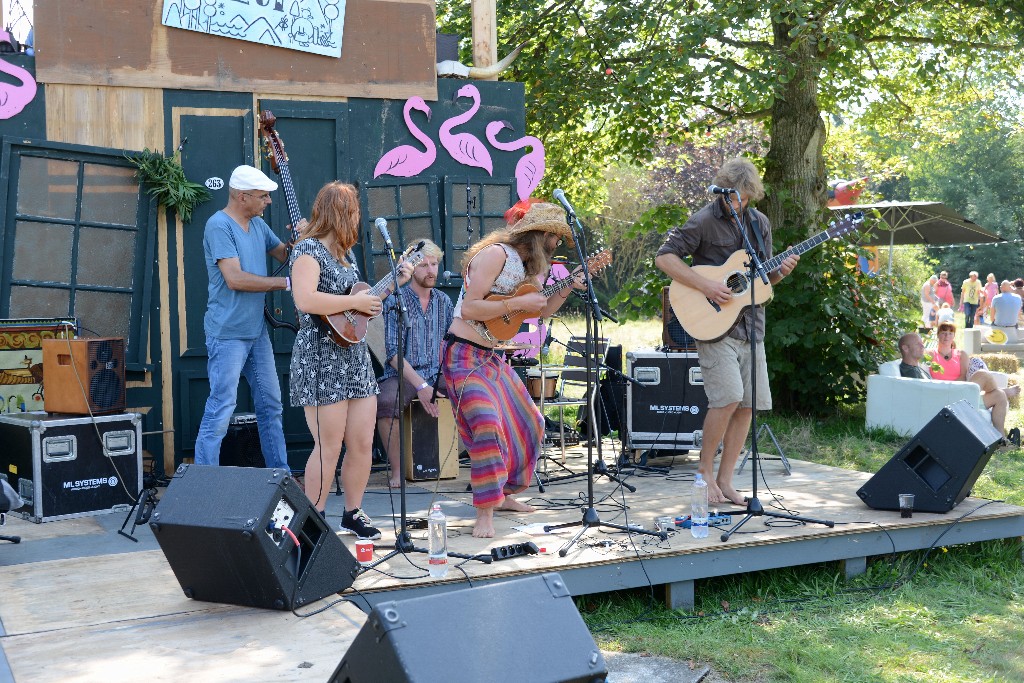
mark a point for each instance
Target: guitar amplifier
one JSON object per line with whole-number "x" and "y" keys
{"x": 665, "y": 408}
{"x": 434, "y": 442}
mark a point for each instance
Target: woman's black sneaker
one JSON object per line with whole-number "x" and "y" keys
{"x": 358, "y": 523}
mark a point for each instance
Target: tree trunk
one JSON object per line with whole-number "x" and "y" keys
{"x": 795, "y": 168}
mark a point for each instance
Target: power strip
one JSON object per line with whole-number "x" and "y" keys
{"x": 713, "y": 520}
{"x": 505, "y": 552}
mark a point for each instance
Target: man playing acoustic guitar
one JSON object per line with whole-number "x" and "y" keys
{"x": 711, "y": 236}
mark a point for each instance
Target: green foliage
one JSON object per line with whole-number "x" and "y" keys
{"x": 829, "y": 326}
{"x": 168, "y": 184}
{"x": 640, "y": 297}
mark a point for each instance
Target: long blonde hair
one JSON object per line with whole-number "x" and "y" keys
{"x": 335, "y": 215}
{"x": 537, "y": 260}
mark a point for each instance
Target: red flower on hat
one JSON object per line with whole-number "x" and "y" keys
{"x": 519, "y": 209}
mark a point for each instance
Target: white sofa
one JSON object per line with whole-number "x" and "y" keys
{"x": 906, "y": 405}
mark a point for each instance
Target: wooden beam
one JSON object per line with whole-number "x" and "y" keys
{"x": 485, "y": 33}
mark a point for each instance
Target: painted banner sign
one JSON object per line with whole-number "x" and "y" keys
{"x": 308, "y": 25}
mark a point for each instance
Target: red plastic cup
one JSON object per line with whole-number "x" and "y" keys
{"x": 364, "y": 551}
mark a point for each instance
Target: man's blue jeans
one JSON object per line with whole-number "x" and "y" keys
{"x": 229, "y": 360}
{"x": 970, "y": 310}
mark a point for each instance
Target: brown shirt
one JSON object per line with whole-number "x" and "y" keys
{"x": 710, "y": 237}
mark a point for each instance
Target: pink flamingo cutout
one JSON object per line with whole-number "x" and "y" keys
{"x": 14, "y": 98}
{"x": 405, "y": 160}
{"x": 465, "y": 148}
{"x": 530, "y": 167}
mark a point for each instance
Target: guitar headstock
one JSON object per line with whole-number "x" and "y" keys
{"x": 413, "y": 253}
{"x": 599, "y": 261}
{"x": 847, "y": 224}
{"x": 275, "y": 148}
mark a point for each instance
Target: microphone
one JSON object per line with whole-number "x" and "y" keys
{"x": 715, "y": 189}
{"x": 560, "y": 198}
{"x": 382, "y": 227}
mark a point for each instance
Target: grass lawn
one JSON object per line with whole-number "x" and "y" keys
{"x": 953, "y": 614}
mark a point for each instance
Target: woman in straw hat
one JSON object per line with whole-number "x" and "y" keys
{"x": 498, "y": 420}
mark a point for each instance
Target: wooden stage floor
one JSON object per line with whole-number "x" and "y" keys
{"x": 78, "y": 602}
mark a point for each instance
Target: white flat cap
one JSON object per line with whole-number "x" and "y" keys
{"x": 249, "y": 178}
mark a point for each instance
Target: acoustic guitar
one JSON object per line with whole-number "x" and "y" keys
{"x": 705, "y": 320}
{"x": 349, "y": 327}
{"x": 507, "y": 326}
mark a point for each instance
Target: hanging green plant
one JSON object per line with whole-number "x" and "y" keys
{"x": 167, "y": 182}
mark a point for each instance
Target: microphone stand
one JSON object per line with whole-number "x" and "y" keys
{"x": 403, "y": 541}
{"x": 591, "y": 519}
{"x": 756, "y": 271}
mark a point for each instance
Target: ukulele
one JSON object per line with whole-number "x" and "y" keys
{"x": 279, "y": 162}
{"x": 705, "y": 320}
{"x": 507, "y": 326}
{"x": 349, "y": 327}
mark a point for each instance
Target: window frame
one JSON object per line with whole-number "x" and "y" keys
{"x": 14, "y": 149}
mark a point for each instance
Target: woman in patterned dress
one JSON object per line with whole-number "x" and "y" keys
{"x": 497, "y": 419}
{"x": 335, "y": 385}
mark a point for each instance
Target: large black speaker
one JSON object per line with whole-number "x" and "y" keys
{"x": 221, "y": 529}
{"x": 939, "y": 465}
{"x": 399, "y": 642}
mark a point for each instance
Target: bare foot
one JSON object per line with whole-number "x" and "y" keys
{"x": 394, "y": 483}
{"x": 514, "y": 505}
{"x": 484, "y": 527}
{"x": 714, "y": 493}
{"x": 1013, "y": 390}
{"x": 731, "y": 495}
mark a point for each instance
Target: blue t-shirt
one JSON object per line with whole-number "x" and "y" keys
{"x": 231, "y": 314}
{"x": 1007, "y": 307}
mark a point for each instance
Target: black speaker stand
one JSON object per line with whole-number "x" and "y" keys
{"x": 144, "y": 503}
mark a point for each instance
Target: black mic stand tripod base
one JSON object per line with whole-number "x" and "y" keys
{"x": 403, "y": 541}
{"x": 592, "y": 314}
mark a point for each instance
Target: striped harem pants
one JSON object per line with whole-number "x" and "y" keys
{"x": 498, "y": 421}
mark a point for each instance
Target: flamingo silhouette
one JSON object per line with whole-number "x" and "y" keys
{"x": 405, "y": 160}
{"x": 530, "y": 167}
{"x": 467, "y": 149}
{"x": 13, "y": 98}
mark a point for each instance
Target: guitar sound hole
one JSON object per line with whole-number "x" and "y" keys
{"x": 737, "y": 282}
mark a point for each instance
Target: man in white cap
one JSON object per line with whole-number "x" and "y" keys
{"x": 236, "y": 242}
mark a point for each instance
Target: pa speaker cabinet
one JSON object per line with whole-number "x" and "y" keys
{"x": 241, "y": 445}
{"x": 399, "y": 641}
{"x": 434, "y": 442}
{"x": 67, "y": 466}
{"x": 673, "y": 336}
{"x": 665, "y": 407}
{"x": 83, "y": 376}
{"x": 220, "y": 529}
{"x": 939, "y": 465}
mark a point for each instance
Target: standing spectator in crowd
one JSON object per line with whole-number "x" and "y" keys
{"x": 991, "y": 290}
{"x": 944, "y": 290}
{"x": 970, "y": 298}
{"x": 928, "y": 301}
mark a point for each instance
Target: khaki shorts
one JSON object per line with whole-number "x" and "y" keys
{"x": 725, "y": 366}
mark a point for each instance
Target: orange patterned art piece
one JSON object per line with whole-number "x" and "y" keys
{"x": 21, "y": 360}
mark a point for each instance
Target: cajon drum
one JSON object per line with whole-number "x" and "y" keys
{"x": 435, "y": 443}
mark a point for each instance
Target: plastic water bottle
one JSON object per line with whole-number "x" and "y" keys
{"x": 437, "y": 534}
{"x": 699, "y": 508}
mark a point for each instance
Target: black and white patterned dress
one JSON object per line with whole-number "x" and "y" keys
{"x": 322, "y": 372}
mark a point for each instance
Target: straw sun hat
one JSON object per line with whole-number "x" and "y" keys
{"x": 539, "y": 216}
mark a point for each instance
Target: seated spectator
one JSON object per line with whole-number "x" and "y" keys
{"x": 945, "y": 314}
{"x": 1006, "y": 307}
{"x": 949, "y": 363}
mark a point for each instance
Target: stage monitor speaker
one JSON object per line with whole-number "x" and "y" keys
{"x": 220, "y": 529}
{"x": 399, "y": 640}
{"x": 939, "y": 465}
{"x": 83, "y": 376}
{"x": 673, "y": 336}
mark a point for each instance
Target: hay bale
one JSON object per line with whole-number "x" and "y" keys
{"x": 1003, "y": 362}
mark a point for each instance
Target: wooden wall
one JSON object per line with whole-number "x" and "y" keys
{"x": 388, "y": 51}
